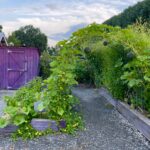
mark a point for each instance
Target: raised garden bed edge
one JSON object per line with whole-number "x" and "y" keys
{"x": 139, "y": 121}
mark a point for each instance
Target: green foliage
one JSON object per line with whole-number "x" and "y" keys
{"x": 113, "y": 58}
{"x": 3, "y": 122}
{"x": 52, "y": 51}
{"x": 94, "y": 63}
{"x": 135, "y": 38}
{"x": 89, "y": 66}
{"x": 117, "y": 59}
{"x": 130, "y": 15}
{"x": 30, "y": 36}
{"x": 26, "y": 131}
{"x": 58, "y": 102}
{"x": 20, "y": 108}
{"x": 12, "y": 39}
{"x": 136, "y": 72}
{"x": 45, "y": 60}
{"x": 84, "y": 72}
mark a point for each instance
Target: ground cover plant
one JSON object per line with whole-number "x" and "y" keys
{"x": 54, "y": 94}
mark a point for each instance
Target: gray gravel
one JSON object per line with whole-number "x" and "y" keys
{"x": 105, "y": 129}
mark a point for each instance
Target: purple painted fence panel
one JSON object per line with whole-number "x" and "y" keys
{"x": 18, "y": 65}
{"x": 2, "y": 68}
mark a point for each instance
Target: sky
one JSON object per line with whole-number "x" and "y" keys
{"x": 58, "y": 18}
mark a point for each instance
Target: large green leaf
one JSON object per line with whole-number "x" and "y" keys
{"x": 19, "y": 119}
{"x": 26, "y": 110}
{"x": 41, "y": 106}
{"x": 134, "y": 82}
{"x": 146, "y": 78}
{"x": 3, "y": 123}
{"x": 60, "y": 111}
{"x": 54, "y": 63}
{"x": 11, "y": 110}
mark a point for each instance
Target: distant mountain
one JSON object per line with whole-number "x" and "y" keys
{"x": 131, "y": 14}
{"x": 72, "y": 29}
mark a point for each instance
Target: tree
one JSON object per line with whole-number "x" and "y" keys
{"x": 12, "y": 39}
{"x": 31, "y": 37}
{"x": 129, "y": 16}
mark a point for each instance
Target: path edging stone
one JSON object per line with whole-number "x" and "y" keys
{"x": 139, "y": 121}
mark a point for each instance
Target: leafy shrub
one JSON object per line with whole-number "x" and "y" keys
{"x": 45, "y": 60}
{"x": 94, "y": 61}
{"x": 84, "y": 72}
{"x": 113, "y": 58}
{"x": 45, "y": 65}
{"x": 136, "y": 72}
{"x": 57, "y": 98}
{"x": 117, "y": 59}
{"x": 88, "y": 70}
{"x": 20, "y": 108}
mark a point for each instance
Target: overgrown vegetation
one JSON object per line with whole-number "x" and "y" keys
{"x": 117, "y": 59}
{"x": 20, "y": 108}
{"x": 54, "y": 95}
{"x": 130, "y": 15}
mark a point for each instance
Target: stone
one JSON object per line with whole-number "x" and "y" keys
{"x": 9, "y": 129}
{"x": 44, "y": 124}
{"x": 62, "y": 124}
{"x": 36, "y": 104}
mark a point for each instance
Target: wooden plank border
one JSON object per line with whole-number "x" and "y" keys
{"x": 8, "y": 130}
{"x": 139, "y": 121}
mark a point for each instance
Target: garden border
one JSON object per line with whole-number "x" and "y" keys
{"x": 139, "y": 121}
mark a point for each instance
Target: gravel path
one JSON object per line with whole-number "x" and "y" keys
{"x": 105, "y": 129}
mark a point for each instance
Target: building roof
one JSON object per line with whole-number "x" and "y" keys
{"x": 2, "y": 37}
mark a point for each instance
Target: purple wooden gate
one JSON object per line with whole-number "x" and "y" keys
{"x": 17, "y": 66}
{"x": 16, "y": 69}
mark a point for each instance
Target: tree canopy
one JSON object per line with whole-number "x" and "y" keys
{"x": 129, "y": 16}
{"x": 13, "y": 40}
{"x": 29, "y": 36}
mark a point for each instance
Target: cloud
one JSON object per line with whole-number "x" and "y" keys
{"x": 52, "y": 42}
{"x": 58, "y": 19}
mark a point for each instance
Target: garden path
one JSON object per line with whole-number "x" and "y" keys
{"x": 105, "y": 129}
